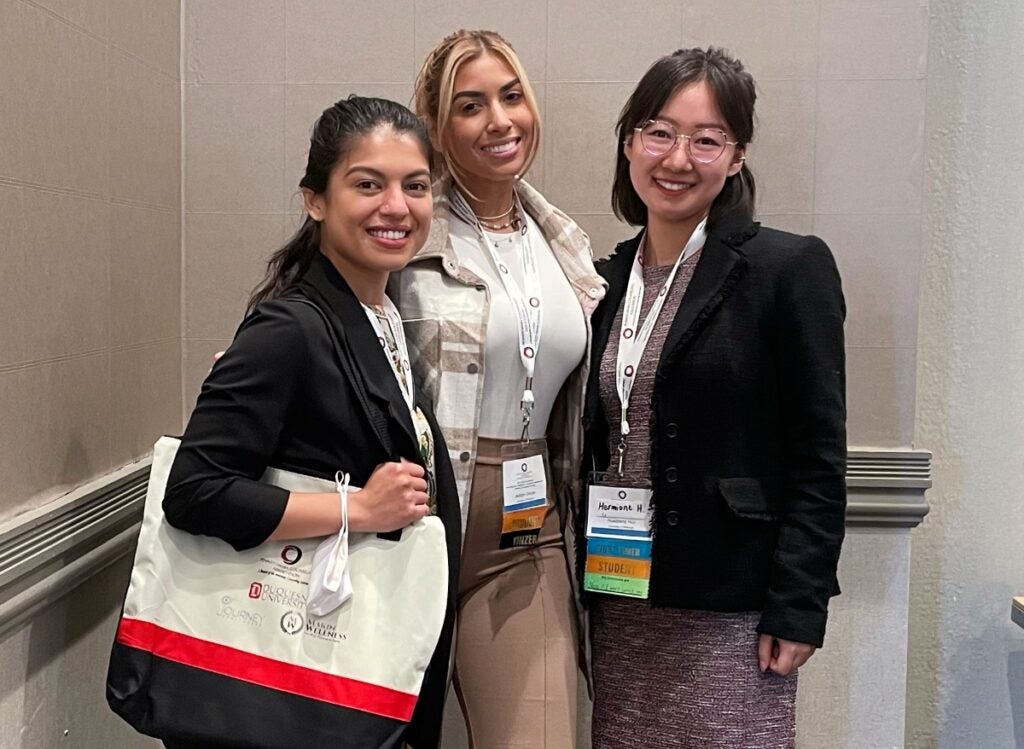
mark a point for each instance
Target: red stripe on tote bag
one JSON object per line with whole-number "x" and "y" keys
{"x": 265, "y": 672}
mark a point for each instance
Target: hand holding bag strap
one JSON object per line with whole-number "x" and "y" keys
{"x": 377, "y": 419}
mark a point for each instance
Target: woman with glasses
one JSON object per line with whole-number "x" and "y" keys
{"x": 497, "y": 310}
{"x": 715, "y": 425}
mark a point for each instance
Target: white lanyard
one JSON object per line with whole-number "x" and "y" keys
{"x": 526, "y": 301}
{"x": 632, "y": 342}
{"x": 401, "y": 367}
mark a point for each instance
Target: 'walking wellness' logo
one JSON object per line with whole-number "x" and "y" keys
{"x": 292, "y": 623}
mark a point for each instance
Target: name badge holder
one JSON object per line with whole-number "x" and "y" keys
{"x": 619, "y": 538}
{"x": 524, "y": 484}
{"x": 524, "y": 463}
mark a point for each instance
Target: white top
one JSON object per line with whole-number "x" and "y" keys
{"x": 563, "y": 331}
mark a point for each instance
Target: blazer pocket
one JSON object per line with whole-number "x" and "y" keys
{"x": 751, "y": 498}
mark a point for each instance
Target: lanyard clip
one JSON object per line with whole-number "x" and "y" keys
{"x": 621, "y": 453}
{"x": 526, "y": 406}
{"x": 527, "y": 409}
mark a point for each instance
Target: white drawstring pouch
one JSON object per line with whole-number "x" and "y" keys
{"x": 330, "y": 583}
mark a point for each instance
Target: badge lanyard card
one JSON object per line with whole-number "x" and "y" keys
{"x": 619, "y": 515}
{"x": 523, "y": 463}
{"x": 618, "y": 537}
{"x": 396, "y": 349}
{"x": 524, "y": 492}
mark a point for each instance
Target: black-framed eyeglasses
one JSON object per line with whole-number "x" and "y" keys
{"x": 705, "y": 145}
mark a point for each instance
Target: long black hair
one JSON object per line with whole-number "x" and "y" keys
{"x": 733, "y": 89}
{"x": 334, "y": 134}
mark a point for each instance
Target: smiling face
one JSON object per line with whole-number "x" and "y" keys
{"x": 375, "y": 213}
{"x": 676, "y": 189}
{"x": 490, "y": 133}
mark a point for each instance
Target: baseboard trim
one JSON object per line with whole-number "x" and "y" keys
{"x": 886, "y": 487}
{"x": 46, "y": 553}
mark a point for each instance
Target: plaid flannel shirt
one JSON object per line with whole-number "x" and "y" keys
{"x": 445, "y": 306}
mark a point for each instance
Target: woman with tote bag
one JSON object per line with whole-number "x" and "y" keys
{"x": 316, "y": 383}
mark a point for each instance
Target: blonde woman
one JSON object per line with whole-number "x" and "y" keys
{"x": 497, "y": 309}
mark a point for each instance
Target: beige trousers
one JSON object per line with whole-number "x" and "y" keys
{"x": 515, "y": 657}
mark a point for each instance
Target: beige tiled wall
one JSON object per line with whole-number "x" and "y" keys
{"x": 838, "y": 151}
{"x": 90, "y": 197}
{"x": 114, "y": 305}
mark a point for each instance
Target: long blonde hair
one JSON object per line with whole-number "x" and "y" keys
{"x": 435, "y": 84}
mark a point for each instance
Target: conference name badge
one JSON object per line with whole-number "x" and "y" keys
{"x": 619, "y": 540}
{"x": 524, "y": 493}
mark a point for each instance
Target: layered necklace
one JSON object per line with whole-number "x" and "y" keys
{"x": 507, "y": 219}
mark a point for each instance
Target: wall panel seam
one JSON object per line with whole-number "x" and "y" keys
{"x": 106, "y": 42}
{"x": 121, "y": 348}
{"x": 144, "y": 63}
{"x": 39, "y": 363}
{"x": 72, "y": 192}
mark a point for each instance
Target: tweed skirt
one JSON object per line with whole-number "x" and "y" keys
{"x": 678, "y": 679}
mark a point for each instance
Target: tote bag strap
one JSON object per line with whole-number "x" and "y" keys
{"x": 378, "y": 421}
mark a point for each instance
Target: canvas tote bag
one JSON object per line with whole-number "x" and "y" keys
{"x": 216, "y": 645}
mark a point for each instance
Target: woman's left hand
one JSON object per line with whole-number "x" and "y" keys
{"x": 782, "y": 656}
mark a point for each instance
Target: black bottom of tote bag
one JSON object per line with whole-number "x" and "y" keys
{"x": 169, "y": 700}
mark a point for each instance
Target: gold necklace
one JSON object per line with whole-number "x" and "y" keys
{"x": 514, "y": 222}
{"x": 500, "y": 215}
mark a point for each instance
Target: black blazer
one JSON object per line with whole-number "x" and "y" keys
{"x": 748, "y": 430}
{"x": 282, "y": 396}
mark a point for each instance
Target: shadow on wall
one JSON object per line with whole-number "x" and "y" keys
{"x": 1015, "y": 683}
{"x": 76, "y": 462}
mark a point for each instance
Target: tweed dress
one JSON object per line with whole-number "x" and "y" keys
{"x": 669, "y": 678}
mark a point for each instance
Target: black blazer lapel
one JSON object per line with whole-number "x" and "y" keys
{"x": 354, "y": 332}
{"x": 720, "y": 266}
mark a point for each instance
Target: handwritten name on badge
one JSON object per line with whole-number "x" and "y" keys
{"x": 626, "y": 507}
{"x": 619, "y": 511}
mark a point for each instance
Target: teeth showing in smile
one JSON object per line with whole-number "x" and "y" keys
{"x": 673, "y": 186}
{"x": 388, "y": 234}
{"x": 501, "y": 147}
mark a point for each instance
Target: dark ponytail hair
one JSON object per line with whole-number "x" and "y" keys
{"x": 733, "y": 89}
{"x": 334, "y": 134}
